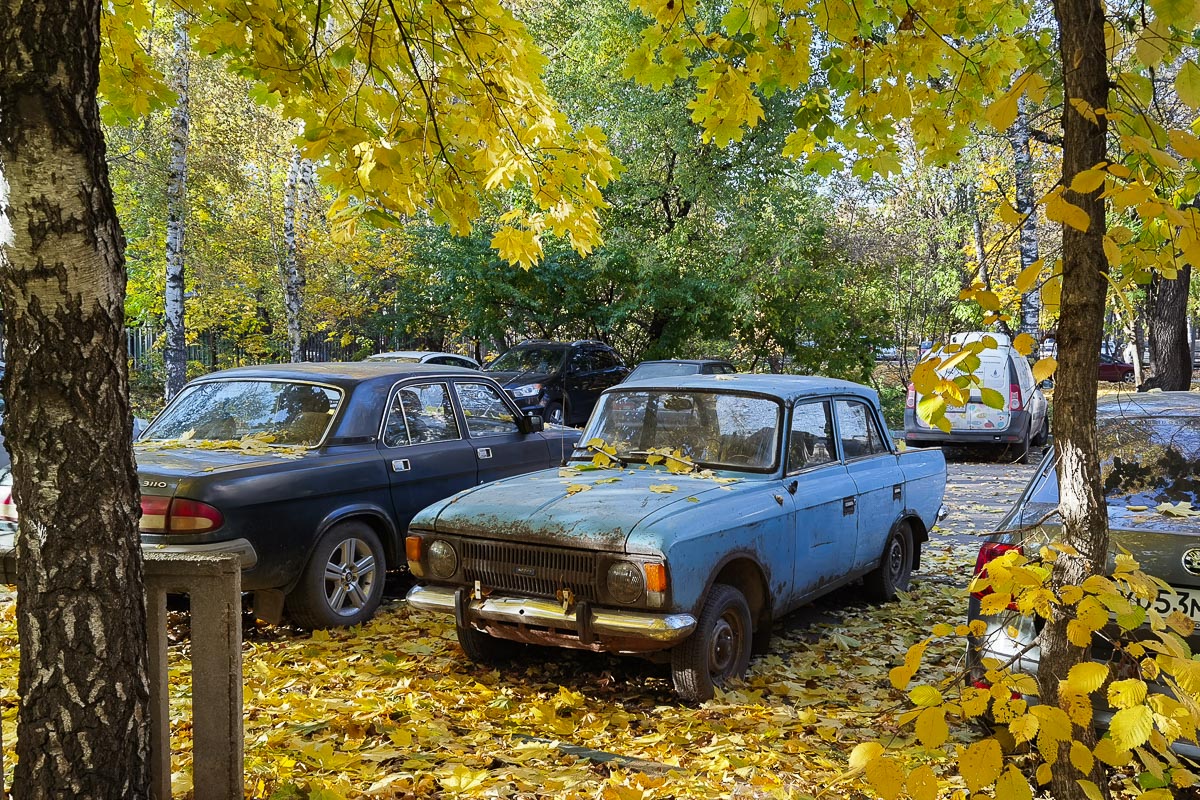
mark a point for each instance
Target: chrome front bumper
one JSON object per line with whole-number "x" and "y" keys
{"x": 663, "y": 629}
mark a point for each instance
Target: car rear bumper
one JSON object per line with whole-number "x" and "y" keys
{"x": 1016, "y": 431}
{"x": 546, "y": 622}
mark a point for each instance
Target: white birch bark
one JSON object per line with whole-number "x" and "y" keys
{"x": 293, "y": 279}
{"x": 175, "y": 345}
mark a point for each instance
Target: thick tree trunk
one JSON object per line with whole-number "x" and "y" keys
{"x": 293, "y": 278}
{"x": 82, "y": 729}
{"x": 1080, "y": 330}
{"x": 1018, "y": 136}
{"x": 1170, "y": 349}
{"x": 175, "y": 348}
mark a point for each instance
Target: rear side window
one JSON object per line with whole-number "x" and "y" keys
{"x": 858, "y": 430}
{"x": 418, "y": 414}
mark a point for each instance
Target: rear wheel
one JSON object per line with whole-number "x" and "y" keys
{"x": 342, "y": 584}
{"x": 1043, "y": 434}
{"x": 718, "y": 650}
{"x": 895, "y": 566}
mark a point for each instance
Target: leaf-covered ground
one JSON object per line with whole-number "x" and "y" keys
{"x": 394, "y": 710}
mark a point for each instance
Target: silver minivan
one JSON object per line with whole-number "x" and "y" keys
{"x": 1020, "y": 422}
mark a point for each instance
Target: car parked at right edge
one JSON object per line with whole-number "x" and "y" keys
{"x": 1149, "y": 448}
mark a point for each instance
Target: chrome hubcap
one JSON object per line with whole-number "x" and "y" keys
{"x": 350, "y": 576}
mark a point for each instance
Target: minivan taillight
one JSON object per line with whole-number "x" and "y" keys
{"x": 988, "y": 552}
{"x": 911, "y": 401}
{"x": 8, "y": 509}
{"x": 1014, "y": 397}
{"x": 178, "y": 515}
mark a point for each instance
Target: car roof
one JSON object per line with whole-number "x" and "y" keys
{"x": 685, "y": 361}
{"x": 788, "y": 388}
{"x": 1150, "y": 404}
{"x": 416, "y": 354}
{"x": 339, "y": 372}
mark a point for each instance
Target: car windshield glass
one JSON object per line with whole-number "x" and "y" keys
{"x": 662, "y": 370}
{"x": 288, "y": 413}
{"x": 726, "y": 431}
{"x": 394, "y": 357}
{"x": 530, "y": 359}
{"x": 1144, "y": 461}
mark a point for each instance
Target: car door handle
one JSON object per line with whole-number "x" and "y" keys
{"x": 401, "y": 465}
{"x": 484, "y": 452}
{"x": 848, "y": 504}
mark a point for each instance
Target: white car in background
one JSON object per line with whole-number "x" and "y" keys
{"x": 1020, "y": 421}
{"x": 427, "y": 357}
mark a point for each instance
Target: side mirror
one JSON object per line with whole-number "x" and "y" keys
{"x": 1047, "y": 384}
{"x": 532, "y": 423}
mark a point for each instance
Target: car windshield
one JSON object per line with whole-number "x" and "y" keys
{"x": 712, "y": 429}
{"x": 289, "y": 413}
{"x": 663, "y": 370}
{"x": 1144, "y": 461}
{"x": 529, "y": 359}
{"x": 394, "y": 357}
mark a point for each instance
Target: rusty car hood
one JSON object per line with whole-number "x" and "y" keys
{"x": 548, "y": 507}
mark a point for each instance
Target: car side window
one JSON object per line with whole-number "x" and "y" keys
{"x": 420, "y": 413}
{"x": 605, "y": 360}
{"x": 858, "y": 430}
{"x": 811, "y": 442}
{"x": 486, "y": 412}
{"x": 582, "y": 361}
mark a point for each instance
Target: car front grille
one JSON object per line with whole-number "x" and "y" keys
{"x": 529, "y": 569}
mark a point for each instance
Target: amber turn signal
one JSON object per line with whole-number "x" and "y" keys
{"x": 412, "y": 548}
{"x": 656, "y": 577}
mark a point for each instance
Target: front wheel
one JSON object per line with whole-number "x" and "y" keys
{"x": 554, "y": 414}
{"x": 484, "y": 649}
{"x": 342, "y": 583}
{"x": 895, "y": 566}
{"x": 718, "y": 650}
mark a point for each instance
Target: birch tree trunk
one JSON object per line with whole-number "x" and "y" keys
{"x": 293, "y": 279}
{"x": 82, "y": 728}
{"x": 1080, "y": 328}
{"x": 175, "y": 346}
{"x": 1031, "y": 301}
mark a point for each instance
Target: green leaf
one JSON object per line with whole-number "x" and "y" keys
{"x": 1187, "y": 84}
{"x": 991, "y": 398}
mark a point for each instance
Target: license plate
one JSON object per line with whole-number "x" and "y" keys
{"x": 1185, "y": 601}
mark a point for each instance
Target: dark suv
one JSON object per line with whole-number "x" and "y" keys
{"x": 559, "y": 380}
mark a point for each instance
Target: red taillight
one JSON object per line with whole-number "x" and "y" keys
{"x": 1014, "y": 397}
{"x": 911, "y": 401}
{"x": 987, "y": 552}
{"x": 8, "y": 509}
{"x": 178, "y": 515}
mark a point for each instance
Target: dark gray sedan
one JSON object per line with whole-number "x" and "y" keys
{"x": 310, "y": 473}
{"x": 1150, "y": 460}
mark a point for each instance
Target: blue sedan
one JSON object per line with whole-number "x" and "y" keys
{"x": 697, "y": 510}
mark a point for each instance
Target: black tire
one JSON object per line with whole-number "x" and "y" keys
{"x": 554, "y": 414}
{"x": 485, "y": 649}
{"x": 1023, "y": 457}
{"x": 1043, "y": 434}
{"x": 895, "y": 566}
{"x": 342, "y": 584}
{"x": 718, "y": 650}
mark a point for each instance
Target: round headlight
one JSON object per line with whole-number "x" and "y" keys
{"x": 443, "y": 561}
{"x": 625, "y": 582}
